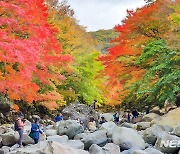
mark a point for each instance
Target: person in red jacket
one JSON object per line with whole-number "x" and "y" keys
{"x": 20, "y": 125}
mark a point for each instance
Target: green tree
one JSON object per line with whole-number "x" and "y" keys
{"x": 161, "y": 80}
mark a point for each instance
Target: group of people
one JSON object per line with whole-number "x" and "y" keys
{"x": 130, "y": 115}
{"x": 91, "y": 126}
{"x": 19, "y": 125}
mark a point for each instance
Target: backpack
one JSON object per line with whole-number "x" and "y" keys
{"x": 16, "y": 127}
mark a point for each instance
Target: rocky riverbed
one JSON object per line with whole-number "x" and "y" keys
{"x": 69, "y": 137}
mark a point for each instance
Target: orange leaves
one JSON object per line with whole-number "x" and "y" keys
{"x": 15, "y": 107}
{"x": 28, "y": 47}
{"x": 138, "y": 28}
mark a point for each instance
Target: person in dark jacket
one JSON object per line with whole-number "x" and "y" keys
{"x": 103, "y": 120}
{"x": 36, "y": 131}
{"x": 58, "y": 117}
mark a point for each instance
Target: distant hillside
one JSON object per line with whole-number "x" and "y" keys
{"x": 104, "y": 37}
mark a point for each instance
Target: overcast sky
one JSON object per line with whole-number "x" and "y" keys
{"x": 102, "y": 14}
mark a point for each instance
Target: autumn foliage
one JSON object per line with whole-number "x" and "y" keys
{"x": 151, "y": 22}
{"x": 28, "y": 47}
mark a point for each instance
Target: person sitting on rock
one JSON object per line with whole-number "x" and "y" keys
{"x": 36, "y": 131}
{"x": 58, "y": 117}
{"x": 92, "y": 124}
{"x": 103, "y": 120}
{"x": 19, "y": 126}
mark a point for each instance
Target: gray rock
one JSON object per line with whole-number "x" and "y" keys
{"x": 50, "y": 132}
{"x": 149, "y": 117}
{"x": 9, "y": 139}
{"x": 27, "y": 140}
{"x": 129, "y": 125}
{"x": 165, "y": 137}
{"x": 80, "y": 136}
{"x": 97, "y": 137}
{"x": 127, "y": 138}
{"x": 166, "y": 128}
{"x": 49, "y": 147}
{"x": 134, "y": 150}
{"x": 150, "y": 134}
{"x": 109, "y": 127}
{"x": 4, "y": 150}
{"x": 69, "y": 128}
{"x": 152, "y": 151}
{"x": 14, "y": 147}
{"x": 2, "y": 130}
{"x": 81, "y": 111}
{"x": 1, "y": 142}
{"x": 143, "y": 125}
{"x": 57, "y": 138}
{"x": 77, "y": 144}
{"x": 177, "y": 130}
{"x": 95, "y": 149}
{"x": 111, "y": 148}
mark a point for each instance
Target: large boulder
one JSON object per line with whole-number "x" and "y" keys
{"x": 177, "y": 130}
{"x": 166, "y": 138}
{"x": 69, "y": 128}
{"x": 95, "y": 149}
{"x": 1, "y": 142}
{"x": 111, "y": 148}
{"x": 152, "y": 151}
{"x": 143, "y": 125}
{"x": 77, "y": 144}
{"x": 166, "y": 128}
{"x": 4, "y": 150}
{"x": 109, "y": 127}
{"x": 150, "y": 134}
{"x": 49, "y": 147}
{"x": 2, "y": 130}
{"x": 27, "y": 139}
{"x": 134, "y": 150}
{"x": 57, "y": 138}
{"x": 129, "y": 125}
{"x": 97, "y": 137}
{"x": 10, "y": 138}
{"x": 81, "y": 111}
{"x": 171, "y": 118}
{"x": 127, "y": 138}
{"x": 149, "y": 117}
{"x": 50, "y": 132}
{"x": 156, "y": 110}
{"x": 107, "y": 116}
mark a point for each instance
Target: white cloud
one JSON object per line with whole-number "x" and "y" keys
{"x": 102, "y": 14}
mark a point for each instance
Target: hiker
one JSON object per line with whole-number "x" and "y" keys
{"x": 58, "y": 117}
{"x": 19, "y": 126}
{"x": 116, "y": 117}
{"x": 36, "y": 131}
{"x": 129, "y": 117}
{"x": 135, "y": 113}
{"x": 147, "y": 110}
{"x": 103, "y": 120}
{"x": 93, "y": 105}
{"x": 92, "y": 124}
{"x": 125, "y": 115}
